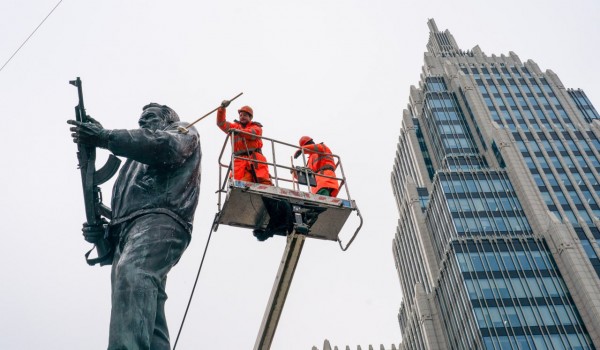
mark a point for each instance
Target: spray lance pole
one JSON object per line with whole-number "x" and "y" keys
{"x": 185, "y": 130}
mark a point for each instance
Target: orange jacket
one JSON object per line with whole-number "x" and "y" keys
{"x": 321, "y": 161}
{"x": 246, "y": 145}
{"x": 242, "y": 143}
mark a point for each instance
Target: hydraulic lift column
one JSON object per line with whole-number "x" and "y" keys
{"x": 287, "y": 267}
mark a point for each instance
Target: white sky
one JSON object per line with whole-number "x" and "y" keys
{"x": 339, "y": 71}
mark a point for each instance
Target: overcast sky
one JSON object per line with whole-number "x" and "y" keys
{"x": 339, "y": 71}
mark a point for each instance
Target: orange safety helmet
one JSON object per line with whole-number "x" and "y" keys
{"x": 304, "y": 140}
{"x": 246, "y": 109}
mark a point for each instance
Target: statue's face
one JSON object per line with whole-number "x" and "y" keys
{"x": 151, "y": 119}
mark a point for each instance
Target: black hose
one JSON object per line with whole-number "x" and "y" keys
{"x": 195, "y": 283}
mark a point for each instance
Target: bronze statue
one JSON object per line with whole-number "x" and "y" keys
{"x": 153, "y": 203}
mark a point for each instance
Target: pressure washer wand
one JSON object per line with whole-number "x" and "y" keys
{"x": 185, "y": 130}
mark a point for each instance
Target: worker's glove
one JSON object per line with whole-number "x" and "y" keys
{"x": 225, "y": 103}
{"x": 91, "y": 133}
{"x": 297, "y": 154}
{"x": 94, "y": 233}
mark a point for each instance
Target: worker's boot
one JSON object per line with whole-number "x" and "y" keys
{"x": 262, "y": 235}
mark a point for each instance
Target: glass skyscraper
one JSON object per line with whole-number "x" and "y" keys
{"x": 496, "y": 180}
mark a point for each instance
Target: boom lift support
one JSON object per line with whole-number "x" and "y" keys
{"x": 246, "y": 205}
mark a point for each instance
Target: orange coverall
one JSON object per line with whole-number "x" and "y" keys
{"x": 248, "y": 146}
{"x": 321, "y": 161}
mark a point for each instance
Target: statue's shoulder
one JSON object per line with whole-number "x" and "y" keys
{"x": 175, "y": 127}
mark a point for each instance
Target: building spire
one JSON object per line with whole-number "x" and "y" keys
{"x": 432, "y": 26}
{"x": 441, "y": 43}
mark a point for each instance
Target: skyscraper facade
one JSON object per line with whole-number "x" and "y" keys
{"x": 497, "y": 184}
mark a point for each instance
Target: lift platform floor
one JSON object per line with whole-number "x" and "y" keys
{"x": 244, "y": 206}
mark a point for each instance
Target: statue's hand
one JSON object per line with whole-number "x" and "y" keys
{"x": 93, "y": 233}
{"x": 91, "y": 133}
{"x": 225, "y": 103}
{"x": 94, "y": 121}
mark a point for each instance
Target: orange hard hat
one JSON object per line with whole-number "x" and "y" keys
{"x": 246, "y": 109}
{"x": 304, "y": 140}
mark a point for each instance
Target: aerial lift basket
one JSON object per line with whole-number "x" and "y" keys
{"x": 244, "y": 202}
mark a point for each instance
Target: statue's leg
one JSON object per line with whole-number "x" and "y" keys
{"x": 150, "y": 245}
{"x": 160, "y": 337}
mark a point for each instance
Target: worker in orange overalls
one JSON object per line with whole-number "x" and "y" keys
{"x": 246, "y": 147}
{"x": 321, "y": 162}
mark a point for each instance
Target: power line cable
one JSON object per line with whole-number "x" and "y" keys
{"x": 30, "y": 35}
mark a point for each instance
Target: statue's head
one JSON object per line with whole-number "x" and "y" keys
{"x": 157, "y": 117}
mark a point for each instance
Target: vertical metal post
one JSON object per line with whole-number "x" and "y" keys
{"x": 287, "y": 267}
